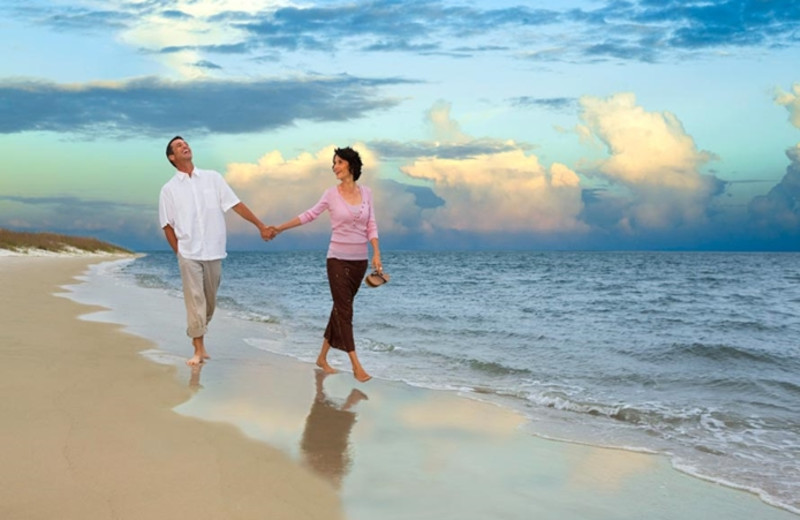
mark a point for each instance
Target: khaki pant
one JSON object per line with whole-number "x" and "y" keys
{"x": 200, "y": 283}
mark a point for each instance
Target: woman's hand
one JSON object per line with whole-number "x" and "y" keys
{"x": 376, "y": 262}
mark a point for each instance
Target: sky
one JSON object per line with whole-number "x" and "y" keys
{"x": 496, "y": 125}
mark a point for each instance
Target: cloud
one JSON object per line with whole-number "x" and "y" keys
{"x": 153, "y": 106}
{"x": 640, "y": 30}
{"x": 448, "y": 141}
{"x": 560, "y": 103}
{"x": 504, "y": 191}
{"x": 790, "y": 100}
{"x": 71, "y": 18}
{"x": 507, "y": 191}
{"x": 777, "y": 213}
{"x": 621, "y": 49}
{"x": 205, "y": 64}
{"x": 647, "y": 30}
{"x": 388, "y": 25}
{"x": 175, "y": 14}
{"x": 444, "y": 127}
{"x": 731, "y": 22}
{"x": 130, "y": 225}
{"x": 235, "y": 48}
{"x": 413, "y": 149}
{"x": 652, "y": 161}
{"x": 402, "y": 46}
{"x": 488, "y": 185}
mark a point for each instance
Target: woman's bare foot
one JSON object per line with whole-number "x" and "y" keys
{"x": 321, "y": 363}
{"x": 358, "y": 371}
{"x": 362, "y": 376}
{"x": 194, "y": 360}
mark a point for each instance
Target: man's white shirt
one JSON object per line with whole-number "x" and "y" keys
{"x": 195, "y": 208}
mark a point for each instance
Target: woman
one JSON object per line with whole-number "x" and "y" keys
{"x": 352, "y": 225}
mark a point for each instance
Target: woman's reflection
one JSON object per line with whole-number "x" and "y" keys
{"x": 325, "y": 442}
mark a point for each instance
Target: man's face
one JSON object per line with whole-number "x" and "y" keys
{"x": 180, "y": 151}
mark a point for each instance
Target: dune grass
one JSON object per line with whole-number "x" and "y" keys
{"x": 53, "y": 242}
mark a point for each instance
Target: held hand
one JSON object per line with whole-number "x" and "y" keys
{"x": 376, "y": 262}
{"x": 268, "y": 233}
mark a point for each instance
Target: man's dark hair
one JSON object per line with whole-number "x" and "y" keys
{"x": 352, "y": 158}
{"x": 169, "y": 148}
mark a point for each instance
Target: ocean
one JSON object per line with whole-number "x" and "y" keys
{"x": 692, "y": 355}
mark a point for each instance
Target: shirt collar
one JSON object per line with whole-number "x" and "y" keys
{"x": 182, "y": 176}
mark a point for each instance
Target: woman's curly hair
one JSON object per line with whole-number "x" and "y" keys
{"x": 352, "y": 158}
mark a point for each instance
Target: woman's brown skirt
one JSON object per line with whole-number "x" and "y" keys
{"x": 344, "y": 277}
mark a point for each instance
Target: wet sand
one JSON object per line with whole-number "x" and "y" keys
{"x": 88, "y": 427}
{"x": 100, "y": 431}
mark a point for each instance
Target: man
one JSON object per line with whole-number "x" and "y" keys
{"x": 191, "y": 209}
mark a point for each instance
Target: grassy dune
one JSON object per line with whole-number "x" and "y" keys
{"x": 55, "y": 243}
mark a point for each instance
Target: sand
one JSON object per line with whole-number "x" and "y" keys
{"x": 92, "y": 429}
{"x": 88, "y": 430}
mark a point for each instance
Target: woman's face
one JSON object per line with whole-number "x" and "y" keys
{"x": 341, "y": 168}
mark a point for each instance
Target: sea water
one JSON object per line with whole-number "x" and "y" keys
{"x": 692, "y": 355}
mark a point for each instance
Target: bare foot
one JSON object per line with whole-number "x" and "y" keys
{"x": 200, "y": 354}
{"x": 362, "y": 376}
{"x": 326, "y": 367}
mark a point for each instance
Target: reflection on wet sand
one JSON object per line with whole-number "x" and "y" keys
{"x": 194, "y": 379}
{"x": 326, "y": 438}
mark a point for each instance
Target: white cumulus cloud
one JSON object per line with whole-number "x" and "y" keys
{"x": 507, "y": 191}
{"x": 790, "y": 100}
{"x": 653, "y": 160}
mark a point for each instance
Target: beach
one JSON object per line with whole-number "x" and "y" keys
{"x": 88, "y": 429}
{"x": 101, "y": 419}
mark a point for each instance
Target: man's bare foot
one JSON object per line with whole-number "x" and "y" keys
{"x": 326, "y": 367}
{"x": 194, "y": 360}
{"x": 199, "y": 351}
{"x": 362, "y": 376}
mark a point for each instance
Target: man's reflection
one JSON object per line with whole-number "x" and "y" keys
{"x": 325, "y": 442}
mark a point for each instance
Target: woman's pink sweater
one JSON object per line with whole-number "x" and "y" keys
{"x": 351, "y": 226}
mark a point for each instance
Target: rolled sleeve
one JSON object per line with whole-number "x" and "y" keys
{"x": 166, "y": 209}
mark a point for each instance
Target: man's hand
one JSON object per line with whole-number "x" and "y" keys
{"x": 268, "y": 233}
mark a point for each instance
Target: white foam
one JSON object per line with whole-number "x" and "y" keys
{"x": 68, "y": 251}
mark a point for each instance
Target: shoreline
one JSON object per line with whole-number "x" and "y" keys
{"x": 89, "y": 429}
{"x": 267, "y": 397}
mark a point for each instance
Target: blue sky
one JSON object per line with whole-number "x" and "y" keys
{"x": 484, "y": 124}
